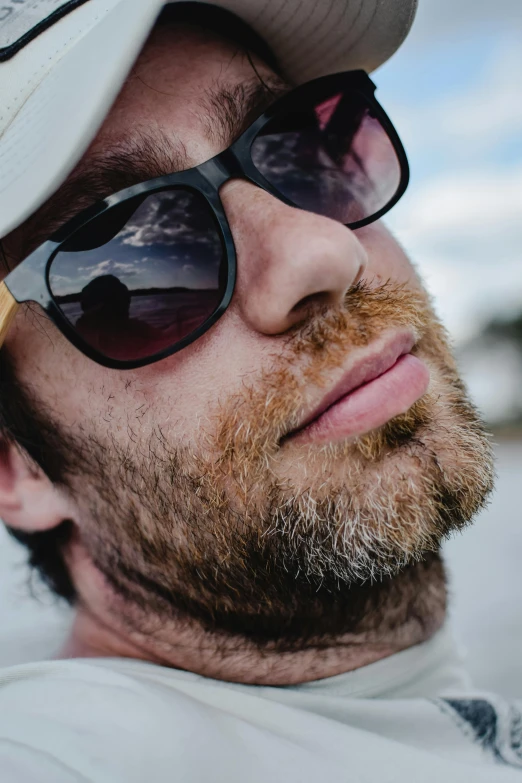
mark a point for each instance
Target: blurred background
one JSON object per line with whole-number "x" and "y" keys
{"x": 454, "y": 92}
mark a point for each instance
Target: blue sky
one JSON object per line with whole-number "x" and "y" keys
{"x": 454, "y": 91}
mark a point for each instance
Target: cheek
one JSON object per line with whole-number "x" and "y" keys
{"x": 174, "y": 395}
{"x": 386, "y": 258}
{"x": 65, "y": 383}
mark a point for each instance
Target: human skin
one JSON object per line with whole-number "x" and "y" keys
{"x": 290, "y": 264}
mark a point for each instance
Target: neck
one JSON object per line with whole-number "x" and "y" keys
{"x": 410, "y": 611}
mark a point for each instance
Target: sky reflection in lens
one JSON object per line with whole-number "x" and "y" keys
{"x": 150, "y": 277}
{"x": 334, "y": 159}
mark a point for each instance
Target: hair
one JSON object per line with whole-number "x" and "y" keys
{"x": 19, "y": 421}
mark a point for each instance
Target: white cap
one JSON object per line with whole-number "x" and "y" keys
{"x": 63, "y": 62}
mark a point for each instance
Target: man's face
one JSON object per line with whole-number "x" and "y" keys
{"x": 192, "y": 492}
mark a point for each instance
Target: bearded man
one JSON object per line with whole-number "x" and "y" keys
{"x": 233, "y": 435}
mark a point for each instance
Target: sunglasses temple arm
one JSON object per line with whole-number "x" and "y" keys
{"x": 8, "y": 308}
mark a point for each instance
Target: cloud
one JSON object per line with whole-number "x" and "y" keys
{"x": 449, "y": 119}
{"x": 491, "y": 111}
{"x": 100, "y": 269}
{"x": 473, "y": 205}
{"x": 129, "y": 269}
{"x": 438, "y": 19}
{"x": 464, "y": 229}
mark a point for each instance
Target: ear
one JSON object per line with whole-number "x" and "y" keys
{"x": 28, "y": 499}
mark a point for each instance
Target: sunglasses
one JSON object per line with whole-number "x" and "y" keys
{"x": 145, "y": 272}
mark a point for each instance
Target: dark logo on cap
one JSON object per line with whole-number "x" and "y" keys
{"x": 21, "y": 21}
{"x": 5, "y": 10}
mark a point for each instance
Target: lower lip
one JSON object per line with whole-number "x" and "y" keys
{"x": 370, "y": 406}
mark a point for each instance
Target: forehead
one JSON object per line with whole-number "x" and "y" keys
{"x": 176, "y": 84}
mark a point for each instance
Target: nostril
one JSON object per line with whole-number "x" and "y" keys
{"x": 318, "y": 298}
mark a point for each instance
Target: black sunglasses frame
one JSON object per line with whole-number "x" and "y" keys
{"x": 29, "y": 281}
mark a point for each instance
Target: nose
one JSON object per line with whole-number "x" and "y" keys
{"x": 289, "y": 261}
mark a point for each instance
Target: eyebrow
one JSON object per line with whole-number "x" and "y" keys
{"x": 225, "y": 112}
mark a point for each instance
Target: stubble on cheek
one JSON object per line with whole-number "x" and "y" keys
{"x": 238, "y": 525}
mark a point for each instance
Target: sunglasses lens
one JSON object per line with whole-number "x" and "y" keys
{"x": 331, "y": 157}
{"x": 143, "y": 275}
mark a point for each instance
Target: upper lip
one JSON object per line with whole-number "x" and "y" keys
{"x": 376, "y": 361}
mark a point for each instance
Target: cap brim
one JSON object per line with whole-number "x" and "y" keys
{"x": 94, "y": 47}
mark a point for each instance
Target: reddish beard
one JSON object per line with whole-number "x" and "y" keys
{"x": 230, "y": 534}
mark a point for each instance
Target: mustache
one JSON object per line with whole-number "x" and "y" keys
{"x": 251, "y": 423}
{"x": 367, "y": 310}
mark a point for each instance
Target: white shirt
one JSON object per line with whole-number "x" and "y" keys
{"x": 410, "y": 717}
